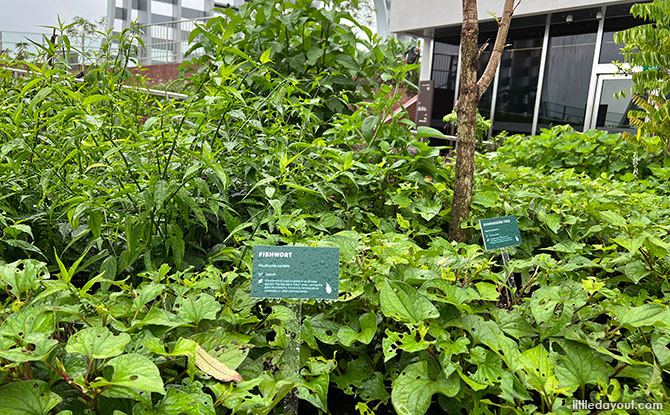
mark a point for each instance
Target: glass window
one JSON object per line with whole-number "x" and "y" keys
{"x": 612, "y": 111}
{"x": 485, "y": 101}
{"x": 517, "y": 80}
{"x": 187, "y": 13}
{"x": 159, "y": 18}
{"x": 572, "y": 40}
{"x": 444, "y": 72}
{"x": 617, "y": 18}
{"x": 139, "y": 5}
{"x": 487, "y": 34}
{"x": 120, "y": 13}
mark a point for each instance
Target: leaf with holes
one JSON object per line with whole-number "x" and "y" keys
{"x": 28, "y": 320}
{"x": 97, "y": 343}
{"x": 539, "y": 365}
{"x": 413, "y": 389}
{"x": 403, "y": 302}
{"x": 22, "y": 275}
{"x": 28, "y": 397}
{"x": 34, "y": 347}
{"x": 132, "y": 374}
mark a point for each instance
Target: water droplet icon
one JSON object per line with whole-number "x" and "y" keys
{"x": 260, "y": 281}
{"x": 329, "y": 289}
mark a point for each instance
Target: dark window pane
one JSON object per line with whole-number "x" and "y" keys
{"x": 612, "y": 111}
{"x": 444, "y": 71}
{"x": 159, "y": 18}
{"x": 120, "y": 13}
{"x": 139, "y": 4}
{"x": 619, "y": 10}
{"x": 617, "y": 18}
{"x": 576, "y": 18}
{"x": 187, "y": 13}
{"x": 517, "y": 80}
{"x": 568, "y": 69}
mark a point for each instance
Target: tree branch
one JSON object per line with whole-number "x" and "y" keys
{"x": 481, "y": 50}
{"x": 498, "y": 47}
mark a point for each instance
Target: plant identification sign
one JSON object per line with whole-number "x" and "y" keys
{"x": 500, "y": 232}
{"x": 301, "y": 272}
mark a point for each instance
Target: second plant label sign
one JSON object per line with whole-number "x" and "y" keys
{"x": 500, "y": 232}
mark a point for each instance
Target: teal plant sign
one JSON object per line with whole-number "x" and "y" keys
{"x": 500, "y": 232}
{"x": 301, "y": 272}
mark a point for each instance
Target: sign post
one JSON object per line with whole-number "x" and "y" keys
{"x": 292, "y": 354}
{"x": 501, "y": 233}
{"x": 295, "y": 272}
{"x": 424, "y": 103}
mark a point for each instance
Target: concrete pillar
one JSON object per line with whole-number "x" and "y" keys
{"x": 144, "y": 17}
{"x": 111, "y": 13}
{"x": 426, "y": 59}
{"x": 209, "y": 5}
{"x": 382, "y": 8}
{"x": 127, "y": 7}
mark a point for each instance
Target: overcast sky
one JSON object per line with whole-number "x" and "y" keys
{"x": 28, "y": 15}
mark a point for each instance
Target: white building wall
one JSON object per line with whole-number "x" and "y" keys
{"x": 419, "y": 16}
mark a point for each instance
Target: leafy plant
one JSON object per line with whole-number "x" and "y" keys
{"x": 331, "y": 56}
{"x": 645, "y": 47}
{"x": 483, "y": 124}
{"x": 128, "y": 221}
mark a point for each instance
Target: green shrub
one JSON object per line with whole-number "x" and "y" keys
{"x": 646, "y": 47}
{"x": 483, "y": 124}
{"x": 128, "y": 223}
{"x": 592, "y": 152}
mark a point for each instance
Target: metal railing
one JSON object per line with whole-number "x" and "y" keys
{"x": 16, "y": 72}
{"x": 23, "y": 46}
{"x": 17, "y": 42}
{"x": 165, "y": 42}
{"x": 168, "y": 41}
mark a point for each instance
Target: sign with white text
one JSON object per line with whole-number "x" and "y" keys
{"x": 500, "y": 232}
{"x": 424, "y": 103}
{"x": 302, "y": 272}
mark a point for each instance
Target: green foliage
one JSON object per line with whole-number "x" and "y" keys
{"x": 592, "y": 152}
{"x": 646, "y": 46}
{"x": 329, "y": 55}
{"x": 128, "y": 290}
{"x": 483, "y": 124}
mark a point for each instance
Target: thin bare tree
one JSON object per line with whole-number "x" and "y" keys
{"x": 471, "y": 91}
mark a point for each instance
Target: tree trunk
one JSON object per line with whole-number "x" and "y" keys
{"x": 471, "y": 90}
{"x": 466, "y": 111}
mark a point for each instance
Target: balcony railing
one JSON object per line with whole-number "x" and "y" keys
{"x": 16, "y": 42}
{"x": 24, "y": 46}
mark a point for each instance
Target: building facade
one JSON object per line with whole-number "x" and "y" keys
{"x": 166, "y": 24}
{"x": 557, "y": 67}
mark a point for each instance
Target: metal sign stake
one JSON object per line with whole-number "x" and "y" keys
{"x": 509, "y": 286}
{"x": 294, "y": 273}
{"x": 508, "y": 274}
{"x": 292, "y": 355}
